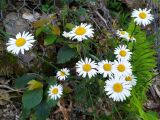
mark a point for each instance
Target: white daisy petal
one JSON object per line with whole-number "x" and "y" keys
{"x": 117, "y": 89}
{"x": 105, "y": 67}
{"x": 81, "y": 32}
{"x": 86, "y": 67}
{"x": 122, "y": 68}
{"x": 130, "y": 79}
{"x": 22, "y": 42}
{"x": 142, "y": 16}
{"x": 55, "y": 92}
{"x": 122, "y": 53}
{"x": 63, "y": 74}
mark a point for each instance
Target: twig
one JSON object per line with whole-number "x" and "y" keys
{"x": 8, "y": 87}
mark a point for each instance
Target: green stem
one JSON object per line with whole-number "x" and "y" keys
{"x": 42, "y": 59}
{"x": 133, "y": 31}
{"x": 91, "y": 103}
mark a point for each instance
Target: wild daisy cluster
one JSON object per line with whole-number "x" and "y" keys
{"x": 118, "y": 73}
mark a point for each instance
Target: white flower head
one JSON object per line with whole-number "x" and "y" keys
{"x": 105, "y": 67}
{"x": 131, "y": 79}
{"x": 63, "y": 74}
{"x": 55, "y": 91}
{"x": 122, "y": 53}
{"x": 122, "y": 34}
{"x": 142, "y": 16}
{"x": 82, "y": 32}
{"x": 23, "y": 42}
{"x": 117, "y": 89}
{"x": 86, "y": 67}
{"x": 122, "y": 68}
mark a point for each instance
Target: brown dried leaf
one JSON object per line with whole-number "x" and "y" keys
{"x": 56, "y": 30}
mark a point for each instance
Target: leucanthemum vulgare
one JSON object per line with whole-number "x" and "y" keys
{"x": 117, "y": 89}
{"x": 62, "y": 74}
{"x": 142, "y": 16}
{"x": 122, "y": 34}
{"x": 86, "y": 67}
{"x": 22, "y": 42}
{"x": 55, "y": 91}
{"x": 130, "y": 79}
{"x": 82, "y": 32}
{"x": 122, "y": 53}
{"x": 122, "y": 68}
{"x": 105, "y": 67}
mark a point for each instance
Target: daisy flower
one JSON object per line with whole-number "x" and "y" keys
{"x": 55, "y": 92}
{"x": 131, "y": 79}
{"x": 122, "y": 68}
{"x": 86, "y": 67}
{"x": 62, "y": 74}
{"x": 122, "y": 53}
{"x": 142, "y": 16}
{"x": 122, "y": 34}
{"x": 82, "y": 32}
{"x": 66, "y": 34}
{"x": 22, "y": 42}
{"x": 117, "y": 89}
{"x": 105, "y": 67}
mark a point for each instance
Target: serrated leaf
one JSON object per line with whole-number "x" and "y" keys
{"x": 50, "y": 39}
{"x": 65, "y": 54}
{"x": 30, "y": 99}
{"x": 22, "y": 81}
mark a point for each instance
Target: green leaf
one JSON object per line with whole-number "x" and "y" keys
{"x": 22, "y": 81}
{"x": 51, "y": 103}
{"x": 42, "y": 111}
{"x": 25, "y": 114}
{"x": 50, "y": 39}
{"x": 69, "y": 26}
{"x": 32, "y": 98}
{"x": 152, "y": 115}
{"x": 65, "y": 54}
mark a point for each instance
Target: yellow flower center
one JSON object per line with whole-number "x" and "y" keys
{"x": 117, "y": 87}
{"x": 54, "y": 91}
{"x": 121, "y": 67}
{"x": 128, "y": 78}
{"x": 80, "y": 31}
{"x": 122, "y": 32}
{"x": 62, "y": 73}
{"x": 107, "y": 67}
{"x": 87, "y": 67}
{"x": 123, "y": 53}
{"x": 20, "y": 42}
{"x": 142, "y": 15}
